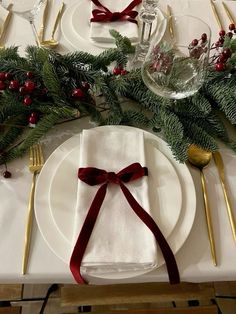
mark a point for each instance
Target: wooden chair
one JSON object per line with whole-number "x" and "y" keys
{"x": 142, "y": 298}
{"x": 9, "y": 293}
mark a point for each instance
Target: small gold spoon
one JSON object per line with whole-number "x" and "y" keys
{"x": 200, "y": 158}
{"x": 52, "y": 43}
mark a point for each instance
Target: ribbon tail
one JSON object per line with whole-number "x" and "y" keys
{"x": 85, "y": 233}
{"x": 168, "y": 255}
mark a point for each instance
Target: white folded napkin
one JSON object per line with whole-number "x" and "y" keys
{"x": 120, "y": 241}
{"x": 100, "y": 31}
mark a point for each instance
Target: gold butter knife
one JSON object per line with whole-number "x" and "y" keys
{"x": 228, "y": 13}
{"x": 220, "y": 166}
{"x": 5, "y": 24}
{"x": 44, "y": 18}
{"x": 216, "y": 15}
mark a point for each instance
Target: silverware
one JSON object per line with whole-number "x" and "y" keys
{"x": 44, "y": 18}
{"x": 52, "y": 43}
{"x": 220, "y": 166}
{"x": 36, "y": 162}
{"x": 228, "y": 13}
{"x": 216, "y": 15}
{"x": 200, "y": 158}
{"x": 5, "y": 24}
{"x": 170, "y": 24}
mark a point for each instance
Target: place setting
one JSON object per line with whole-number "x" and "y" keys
{"x": 117, "y": 200}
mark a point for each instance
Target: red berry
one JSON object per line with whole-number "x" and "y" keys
{"x": 117, "y": 71}
{"x": 6, "y": 174}
{"x": 222, "y": 33}
{"x": 229, "y": 34}
{"x": 221, "y": 59}
{"x": 2, "y": 85}
{"x": 30, "y": 74}
{"x": 78, "y": 93}
{"x": 30, "y": 85}
{"x": 221, "y": 40}
{"x": 14, "y": 85}
{"x": 231, "y": 27}
{"x": 27, "y": 101}
{"x": 194, "y": 42}
{"x": 204, "y": 37}
{"x": 32, "y": 120}
{"x": 22, "y": 90}
{"x": 226, "y": 52}
{"x": 219, "y": 67}
{"x": 123, "y": 72}
{"x": 2, "y": 76}
{"x": 8, "y": 76}
{"x": 34, "y": 114}
{"x": 85, "y": 85}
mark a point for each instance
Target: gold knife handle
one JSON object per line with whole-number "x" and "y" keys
{"x": 59, "y": 14}
{"x": 29, "y": 225}
{"x": 208, "y": 219}
{"x": 5, "y": 26}
{"x": 42, "y": 27}
{"x": 229, "y": 209}
{"x": 216, "y": 15}
{"x": 228, "y": 13}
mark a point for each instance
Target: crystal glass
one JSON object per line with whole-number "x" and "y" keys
{"x": 147, "y": 15}
{"x": 175, "y": 64}
{"x": 27, "y": 9}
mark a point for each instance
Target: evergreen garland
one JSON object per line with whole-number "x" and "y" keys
{"x": 73, "y": 82}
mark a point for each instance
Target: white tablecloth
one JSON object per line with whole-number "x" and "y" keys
{"x": 194, "y": 258}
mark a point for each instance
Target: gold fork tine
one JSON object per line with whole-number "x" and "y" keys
{"x": 36, "y": 161}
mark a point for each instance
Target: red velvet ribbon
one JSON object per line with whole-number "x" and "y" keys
{"x": 103, "y": 14}
{"x": 93, "y": 176}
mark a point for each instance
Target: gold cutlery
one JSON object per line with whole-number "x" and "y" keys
{"x": 220, "y": 166}
{"x": 52, "y": 43}
{"x": 200, "y": 158}
{"x": 5, "y": 25}
{"x": 169, "y": 14}
{"x": 44, "y": 18}
{"x": 228, "y": 13}
{"x": 36, "y": 162}
{"x": 217, "y": 17}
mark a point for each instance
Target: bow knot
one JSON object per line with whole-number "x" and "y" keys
{"x": 113, "y": 178}
{"x": 105, "y": 15}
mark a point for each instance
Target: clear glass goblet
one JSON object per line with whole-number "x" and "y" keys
{"x": 27, "y": 9}
{"x": 175, "y": 64}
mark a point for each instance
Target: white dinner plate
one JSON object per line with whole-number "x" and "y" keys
{"x": 75, "y": 27}
{"x": 57, "y": 237}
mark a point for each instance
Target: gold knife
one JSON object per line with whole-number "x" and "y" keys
{"x": 44, "y": 18}
{"x": 228, "y": 13}
{"x": 220, "y": 166}
{"x": 216, "y": 15}
{"x": 5, "y": 24}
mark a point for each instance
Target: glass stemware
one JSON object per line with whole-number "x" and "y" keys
{"x": 147, "y": 15}
{"x": 175, "y": 65}
{"x": 27, "y": 9}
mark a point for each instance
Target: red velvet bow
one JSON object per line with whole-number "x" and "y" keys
{"x": 105, "y": 15}
{"x": 94, "y": 176}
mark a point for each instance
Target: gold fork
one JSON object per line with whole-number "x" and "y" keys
{"x": 36, "y": 162}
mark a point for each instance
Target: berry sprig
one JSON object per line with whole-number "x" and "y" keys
{"x": 223, "y": 50}
{"x": 198, "y": 46}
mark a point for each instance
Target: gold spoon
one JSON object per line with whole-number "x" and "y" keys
{"x": 200, "y": 158}
{"x": 52, "y": 43}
